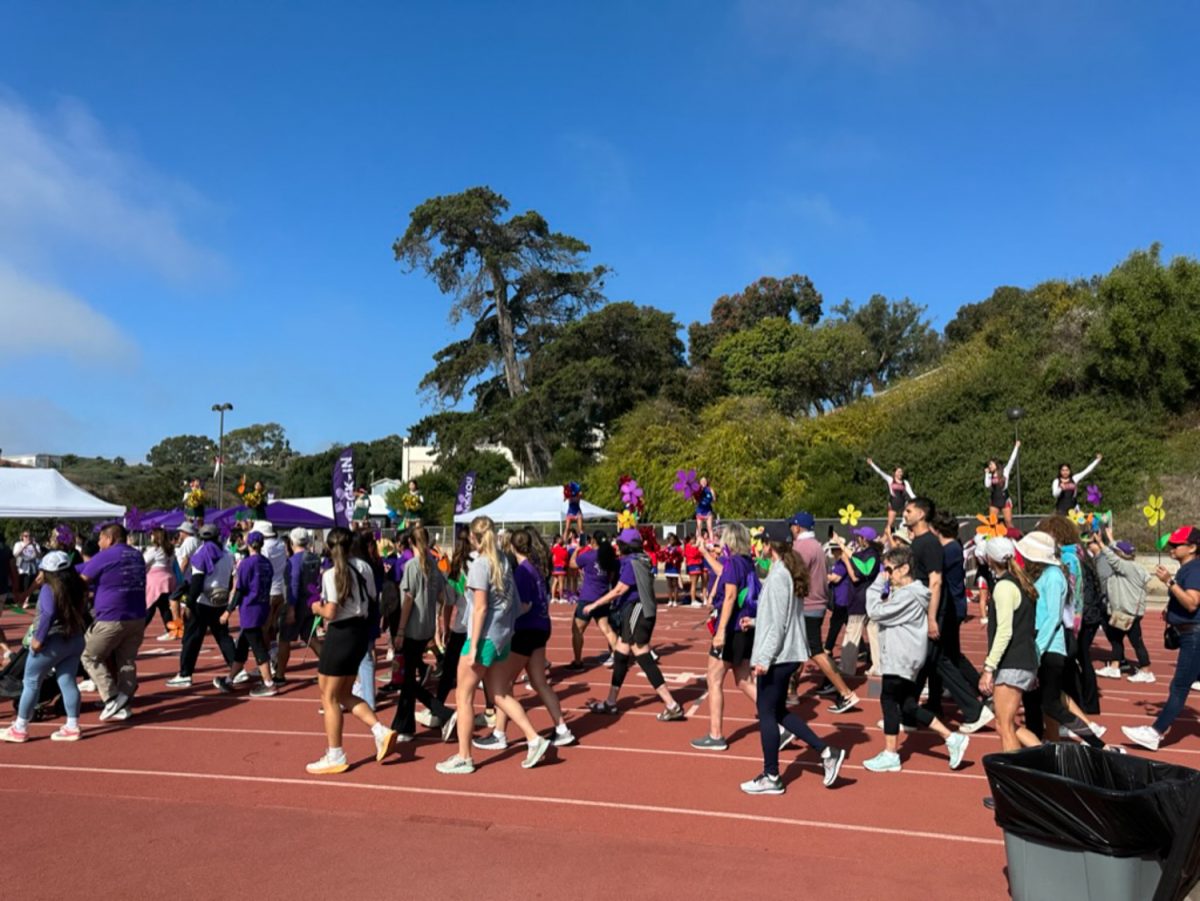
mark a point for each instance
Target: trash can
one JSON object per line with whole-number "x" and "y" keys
{"x": 1082, "y": 824}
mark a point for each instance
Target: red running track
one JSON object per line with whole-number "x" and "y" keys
{"x": 201, "y": 794}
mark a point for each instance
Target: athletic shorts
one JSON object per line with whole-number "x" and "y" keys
{"x": 1022, "y": 679}
{"x": 737, "y": 647}
{"x": 694, "y": 570}
{"x": 672, "y": 573}
{"x": 488, "y": 655}
{"x": 526, "y": 641}
{"x": 601, "y": 611}
{"x": 812, "y": 634}
{"x": 636, "y": 629}
{"x": 560, "y": 570}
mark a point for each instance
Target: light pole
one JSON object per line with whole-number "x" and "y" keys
{"x": 221, "y": 409}
{"x": 1015, "y": 415}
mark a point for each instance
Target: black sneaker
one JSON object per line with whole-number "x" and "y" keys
{"x": 222, "y": 684}
{"x": 827, "y": 690}
{"x": 847, "y": 702}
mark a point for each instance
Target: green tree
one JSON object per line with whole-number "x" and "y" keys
{"x": 439, "y": 486}
{"x": 515, "y": 279}
{"x": 190, "y": 452}
{"x": 901, "y": 340}
{"x": 261, "y": 444}
{"x": 785, "y": 298}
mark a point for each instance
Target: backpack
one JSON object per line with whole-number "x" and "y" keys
{"x": 310, "y": 579}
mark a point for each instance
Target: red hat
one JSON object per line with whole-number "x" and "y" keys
{"x": 1185, "y": 535}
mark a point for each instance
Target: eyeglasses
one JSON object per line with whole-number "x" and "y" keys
{"x": 889, "y": 569}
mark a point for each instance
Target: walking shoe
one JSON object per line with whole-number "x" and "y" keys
{"x": 490, "y": 742}
{"x": 65, "y": 733}
{"x": 385, "y": 743}
{"x": 785, "y": 738}
{"x": 1196, "y": 686}
{"x": 562, "y": 739}
{"x": 456, "y": 766}
{"x": 1143, "y": 676}
{"x": 708, "y": 743}
{"x": 179, "y": 682}
{"x": 328, "y": 766}
{"x": 883, "y": 762}
{"x": 608, "y": 661}
{"x": 166, "y": 636}
{"x": 957, "y": 743}
{"x": 264, "y": 691}
{"x": 111, "y": 708}
{"x": 87, "y": 686}
{"x": 903, "y": 728}
{"x": 847, "y": 702}
{"x": 480, "y": 721}
{"x": 427, "y": 719}
{"x": 537, "y": 750}
{"x": 985, "y": 717}
{"x": 403, "y": 738}
{"x": 242, "y": 677}
{"x": 827, "y": 690}
{"x": 602, "y": 707}
{"x": 763, "y": 785}
{"x": 1098, "y": 730}
{"x": 671, "y": 715}
{"x": 15, "y": 735}
{"x": 121, "y": 715}
{"x": 832, "y": 759}
{"x": 450, "y": 727}
{"x": 220, "y": 683}
{"x": 1109, "y": 672}
{"x": 1146, "y": 736}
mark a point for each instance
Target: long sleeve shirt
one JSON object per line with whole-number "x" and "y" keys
{"x": 1057, "y": 487}
{"x": 1052, "y": 596}
{"x": 888, "y": 479}
{"x": 1012, "y": 460}
{"x": 1006, "y": 597}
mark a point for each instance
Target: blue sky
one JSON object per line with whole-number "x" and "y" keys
{"x": 198, "y": 200}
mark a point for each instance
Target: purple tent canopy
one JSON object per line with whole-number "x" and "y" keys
{"x": 282, "y": 515}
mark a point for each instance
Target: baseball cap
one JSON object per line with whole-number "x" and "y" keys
{"x": 55, "y": 561}
{"x": 209, "y": 532}
{"x": 1185, "y": 535}
{"x": 1125, "y": 548}
{"x": 255, "y": 537}
{"x": 299, "y": 535}
{"x": 630, "y": 536}
{"x": 1000, "y": 549}
{"x": 866, "y": 533}
{"x": 803, "y": 519}
{"x": 186, "y": 528}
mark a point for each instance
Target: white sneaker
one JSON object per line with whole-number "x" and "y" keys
{"x": 328, "y": 766}
{"x": 1196, "y": 686}
{"x": 88, "y": 686}
{"x": 179, "y": 682}
{"x": 1143, "y": 735}
{"x": 883, "y": 762}
{"x": 537, "y": 750}
{"x": 456, "y": 766}
{"x": 564, "y": 738}
{"x": 121, "y": 715}
{"x": 242, "y": 677}
{"x": 957, "y": 743}
{"x": 763, "y": 785}
{"x": 113, "y": 707}
{"x": 166, "y": 636}
{"x": 1143, "y": 676}
{"x": 1098, "y": 730}
{"x": 608, "y": 661}
{"x": 985, "y": 717}
{"x": 427, "y": 719}
{"x": 1108, "y": 672}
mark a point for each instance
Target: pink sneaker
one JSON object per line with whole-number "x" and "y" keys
{"x": 14, "y": 735}
{"x": 65, "y": 733}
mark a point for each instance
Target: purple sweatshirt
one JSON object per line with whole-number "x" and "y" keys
{"x": 253, "y": 587}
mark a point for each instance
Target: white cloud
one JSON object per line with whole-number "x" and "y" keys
{"x": 883, "y": 31}
{"x": 43, "y": 320}
{"x": 64, "y": 185}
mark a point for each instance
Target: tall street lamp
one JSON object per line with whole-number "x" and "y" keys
{"x": 221, "y": 409}
{"x": 1015, "y": 415}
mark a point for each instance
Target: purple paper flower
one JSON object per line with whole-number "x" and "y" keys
{"x": 1094, "y": 495}
{"x": 685, "y": 482}
{"x": 631, "y": 494}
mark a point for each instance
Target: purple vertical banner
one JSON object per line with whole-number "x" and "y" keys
{"x": 466, "y": 494}
{"x": 343, "y": 487}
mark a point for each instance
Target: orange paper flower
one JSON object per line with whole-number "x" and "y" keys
{"x": 990, "y": 526}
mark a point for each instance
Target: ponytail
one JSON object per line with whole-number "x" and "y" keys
{"x": 338, "y": 543}
{"x": 1022, "y": 579}
{"x": 484, "y": 531}
{"x": 794, "y": 565}
{"x": 420, "y": 547}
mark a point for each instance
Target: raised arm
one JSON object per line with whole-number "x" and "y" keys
{"x": 1012, "y": 460}
{"x": 1083, "y": 474}
{"x": 912, "y": 495}
{"x": 883, "y": 475}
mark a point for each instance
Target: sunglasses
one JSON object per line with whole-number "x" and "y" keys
{"x": 889, "y": 569}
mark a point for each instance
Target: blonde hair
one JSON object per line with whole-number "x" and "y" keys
{"x": 483, "y": 530}
{"x": 420, "y": 548}
{"x": 737, "y": 538}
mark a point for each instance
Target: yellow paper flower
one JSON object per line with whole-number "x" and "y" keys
{"x": 990, "y": 526}
{"x": 850, "y": 515}
{"x": 1077, "y": 516}
{"x": 757, "y": 536}
{"x": 1153, "y": 510}
{"x": 626, "y": 520}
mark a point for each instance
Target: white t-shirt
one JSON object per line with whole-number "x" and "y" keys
{"x": 156, "y": 558}
{"x": 186, "y": 548}
{"x": 356, "y": 603}
{"x": 276, "y": 551}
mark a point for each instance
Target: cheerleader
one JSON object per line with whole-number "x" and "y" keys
{"x": 559, "y": 557}
{"x": 693, "y": 561}
{"x": 705, "y": 498}
{"x": 995, "y": 480}
{"x": 900, "y": 492}
{"x": 672, "y": 560}
{"x": 1066, "y": 487}
{"x": 572, "y": 582}
{"x": 573, "y": 495}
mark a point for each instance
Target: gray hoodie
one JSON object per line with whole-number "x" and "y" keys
{"x": 903, "y": 623}
{"x": 1125, "y": 582}
{"x": 779, "y": 635}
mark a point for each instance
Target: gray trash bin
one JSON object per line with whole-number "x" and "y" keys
{"x": 1038, "y": 872}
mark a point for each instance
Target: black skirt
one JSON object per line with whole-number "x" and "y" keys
{"x": 346, "y": 643}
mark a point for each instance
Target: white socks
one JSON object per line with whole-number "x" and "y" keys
{"x": 379, "y": 729}
{"x": 335, "y": 755}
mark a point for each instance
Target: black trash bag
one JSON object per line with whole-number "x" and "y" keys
{"x": 1079, "y": 798}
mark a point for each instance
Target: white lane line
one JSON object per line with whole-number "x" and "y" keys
{"x": 503, "y": 796}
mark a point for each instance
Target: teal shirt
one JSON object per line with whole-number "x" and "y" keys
{"x": 1052, "y": 595}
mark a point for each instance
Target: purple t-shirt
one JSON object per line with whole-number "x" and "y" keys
{"x": 627, "y": 577}
{"x": 253, "y": 586}
{"x": 842, "y": 591}
{"x": 400, "y": 562}
{"x": 594, "y": 584}
{"x": 736, "y": 571}
{"x": 531, "y": 589}
{"x": 205, "y": 557}
{"x": 46, "y": 614}
{"x": 119, "y": 575}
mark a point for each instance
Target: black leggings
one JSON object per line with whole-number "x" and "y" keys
{"x": 1047, "y": 698}
{"x": 163, "y": 606}
{"x": 251, "y": 640}
{"x": 203, "y": 618}
{"x": 449, "y": 680}
{"x": 1116, "y": 638}
{"x": 413, "y": 690}
{"x": 899, "y": 698}
{"x": 773, "y": 713}
{"x": 836, "y": 621}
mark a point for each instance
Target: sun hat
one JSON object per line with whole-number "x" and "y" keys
{"x": 901, "y": 533}
{"x": 264, "y": 527}
{"x": 55, "y": 561}
{"x": 866, "y": 533}
{"x": 803, "y": 519}
{"x": 1039, "y": 547}
{"x": 299, "y": 536}
{"x": 1185, "y": 535}
{"x": 999, "y": 550}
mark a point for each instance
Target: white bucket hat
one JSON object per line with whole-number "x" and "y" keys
{"x": 267, "y": 530}
{"x": 1039, "y": 547}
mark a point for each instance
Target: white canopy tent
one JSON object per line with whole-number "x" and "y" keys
{"x": 323, "y": 505}
{"x": 522, "y": 505}
{"x": 45, "y": 494}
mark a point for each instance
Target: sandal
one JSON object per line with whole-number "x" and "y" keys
{"x": 672, "y": 714}
{"x": 602, "y": 707}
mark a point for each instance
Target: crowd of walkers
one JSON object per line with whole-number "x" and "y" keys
{"x": 477, "y": 615}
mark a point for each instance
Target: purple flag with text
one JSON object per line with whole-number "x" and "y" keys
{"x": 466, "y": 494}
{"x": 343, "y": 487}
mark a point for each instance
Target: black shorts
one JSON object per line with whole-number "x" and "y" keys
{"x": 601, "y": 611}
{"x": 526, "y": 641}
{"x": 344, "y": 647}
{"x": 737, "y": 648}
{"x": 251, "y": 640}
{"x": 636, "y": 629}
{"x": 812, "y": 634}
